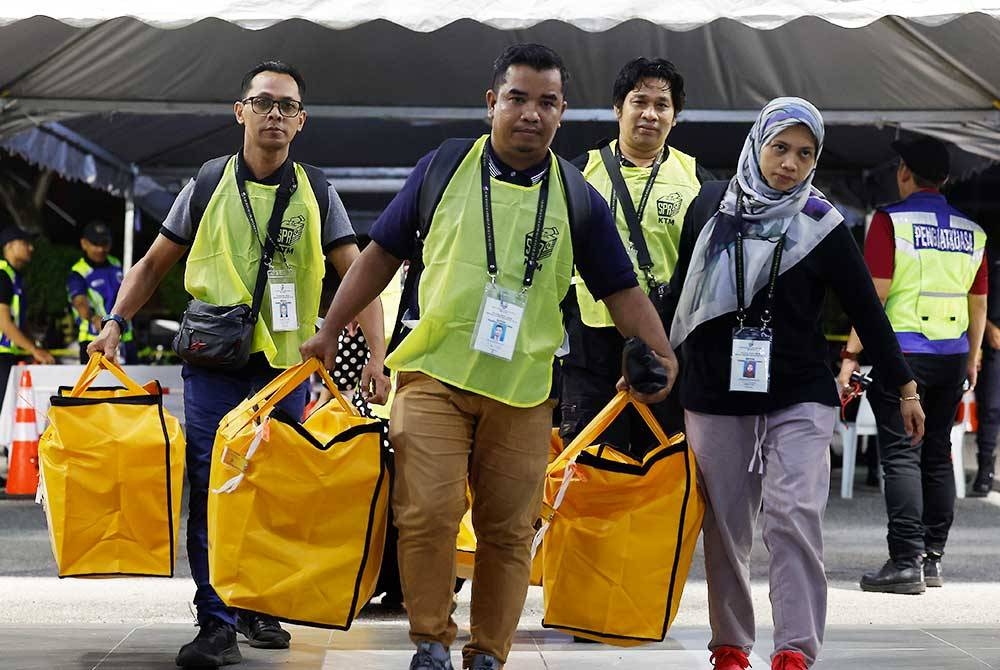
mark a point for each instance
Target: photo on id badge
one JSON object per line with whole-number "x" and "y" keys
{"x": 499, "y": 320}
{"x": 751, "y": 358}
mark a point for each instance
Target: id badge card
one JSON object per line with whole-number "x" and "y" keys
{"x": 750, "y": 369}
{"x": 499, "y": 321}
{"x": 284, "y": 316}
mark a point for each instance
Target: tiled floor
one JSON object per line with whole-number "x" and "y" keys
{"x": 386, "y": 647}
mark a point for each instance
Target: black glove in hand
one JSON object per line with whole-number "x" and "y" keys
{"x": 641, "y": 369}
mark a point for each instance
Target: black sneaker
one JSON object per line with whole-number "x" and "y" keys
{"x": 904, "y": 576}
{"x": 214, "y": 645}
{"x": 932, "y": 569}
{"x": 263, "y": 630}
{"x": 431, "y": 656}
{"x": 982, "y": 484}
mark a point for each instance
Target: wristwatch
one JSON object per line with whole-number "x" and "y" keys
{"x": 122, "y": 323}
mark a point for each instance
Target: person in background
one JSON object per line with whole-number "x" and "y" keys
{"x": 928, "y": 262}
{"x": 757, "y": 256}
{"x": 92, "y": 287}
{"x": 661, "y": 181}
{"x": 15, "y": 345}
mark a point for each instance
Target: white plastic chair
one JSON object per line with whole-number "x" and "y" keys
{"x": 958, "y": 432}
{"x": 863, "y": 426}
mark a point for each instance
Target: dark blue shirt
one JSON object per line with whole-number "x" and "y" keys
{"x": 598, "y": 252}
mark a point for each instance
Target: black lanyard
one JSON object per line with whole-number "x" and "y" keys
{"x": 646, "y": 191}
{"x": 535, "y": 247}
{"x": 286, "y": 188}
{"x": 619, "y": 191}
{"x": 741, "y": 310}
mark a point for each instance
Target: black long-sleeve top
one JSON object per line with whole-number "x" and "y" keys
{"x": 800, "y": 371}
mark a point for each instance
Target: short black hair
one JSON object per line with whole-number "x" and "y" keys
{"x": 637, "y": 69}
{"x": 924, "y": 182}
{"x": 273, "y": 66}
{"x": 536, "y": 56}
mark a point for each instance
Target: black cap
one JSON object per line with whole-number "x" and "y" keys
{"x": 97, "y": 232}
{"x": 13, "y": 232}
{"x": 926, "y": 157}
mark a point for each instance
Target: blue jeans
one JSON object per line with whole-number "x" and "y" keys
{"x": 209, "y": 396}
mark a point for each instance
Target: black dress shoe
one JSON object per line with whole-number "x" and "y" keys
{"x": 904, "y": 576}
{"x": 215, "y": 645}
{"x": 263, "y": 630}
{"x": 932, "y": 569}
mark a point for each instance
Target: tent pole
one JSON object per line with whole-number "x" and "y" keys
{"x": 129, "y": 233}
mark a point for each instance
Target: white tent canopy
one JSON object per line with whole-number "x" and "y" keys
{"x": 154, "y": 82}
{"x": 430, "y": 15}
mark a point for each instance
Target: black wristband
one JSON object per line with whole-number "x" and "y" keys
{"x": 117, "y": 319}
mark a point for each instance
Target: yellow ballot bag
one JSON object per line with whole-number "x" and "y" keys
{"x": 112, "y": 471}
{"x": 619, "y": 534}
{"x": 465, "y": 551}
{"x": 297, "y": 510}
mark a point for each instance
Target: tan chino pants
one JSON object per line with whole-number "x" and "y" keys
{"x": 443, "y": 437}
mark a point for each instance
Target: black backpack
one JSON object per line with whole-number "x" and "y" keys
{"x": 439, "y": 173}
{"x": 210, "y": 174}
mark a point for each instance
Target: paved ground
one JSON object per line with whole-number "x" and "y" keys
{"x": 139, "y": 623}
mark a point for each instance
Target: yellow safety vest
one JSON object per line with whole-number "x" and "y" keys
{"x": 6, "y": 346}
{"x": 673, "y": 191}
{"x": 224, "y": 257}
{"x": 933, "y": 272}
{"x": 454, "y": 277}
{"x": 85, "y": 332}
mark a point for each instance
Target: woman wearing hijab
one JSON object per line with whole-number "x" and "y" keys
{"x": 757, "y": 255}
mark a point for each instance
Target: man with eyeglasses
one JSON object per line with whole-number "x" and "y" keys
{"x": 222, "y": 219}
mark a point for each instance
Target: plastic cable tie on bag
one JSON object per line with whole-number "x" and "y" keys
{"x": 236, "y": 460}
{"x": 569, "y": 474}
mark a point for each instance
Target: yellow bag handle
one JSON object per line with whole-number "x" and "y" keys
{"x": 95, "y": 365}
{"x": 604, "y": 419}
{"x": 289, "y": 380}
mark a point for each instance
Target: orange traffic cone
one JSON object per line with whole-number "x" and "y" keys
{"x": 22, "y": 476}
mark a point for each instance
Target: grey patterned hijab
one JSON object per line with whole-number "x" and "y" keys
{"x": 803, "y": 214}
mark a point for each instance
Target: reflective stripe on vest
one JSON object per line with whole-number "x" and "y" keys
{"x": 934, "y": 268}
{"x": 224, "y": 257}
{"x": 85, "y": 331}
{"x": 675, "y": 188}
{"x": 6, "y": 346}
{"x": 452, "y": 283}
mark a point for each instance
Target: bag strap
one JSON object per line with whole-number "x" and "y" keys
{"x": 604, "y": 418}
{"x": 320, "y": 188}
{"x": 209, "y": 176}
{"x": 281, "y": 198}
{"x": 286, "y": 382}
{"x": 614, "y": 170}
{"x": 95, "y": 366}
{"x": 577, "y": 194}
{"x": 439, "y": 172}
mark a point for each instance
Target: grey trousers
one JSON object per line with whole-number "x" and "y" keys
{"x": 781, "y": 459}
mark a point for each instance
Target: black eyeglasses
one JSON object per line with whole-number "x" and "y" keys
{"x": 263, "y": 104}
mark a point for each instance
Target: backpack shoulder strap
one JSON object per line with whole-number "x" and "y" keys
{"x": 209, "y": 176}
{"x": 439, "y": 172}
{"x": 320, "y": 187}
{"x": 577, "y": 193}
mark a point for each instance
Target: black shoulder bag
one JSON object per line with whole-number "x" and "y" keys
{"x": 217, "y": 336}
